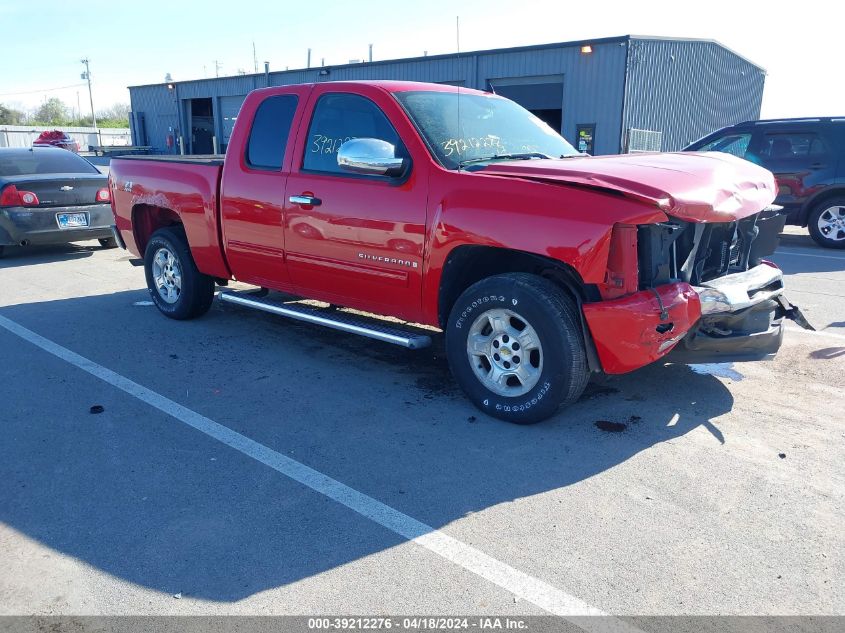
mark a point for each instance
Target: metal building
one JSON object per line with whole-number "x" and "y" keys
{"x": 606, "y": 96}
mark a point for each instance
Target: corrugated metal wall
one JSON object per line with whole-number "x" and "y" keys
{"x": 686, "y": 89}
{"x": 683, "y": 88}
{"x": 158, "y": 107}
{"x": 592, "y": 85}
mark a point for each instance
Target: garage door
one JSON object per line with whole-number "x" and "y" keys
{"x": 541, "y": 95}
{"x": 229, "y": 108}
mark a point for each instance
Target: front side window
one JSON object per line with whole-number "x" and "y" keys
{"x": 339, "y": 118}
{"x": 268, "y": 137}
{"x": 735, "y": 144}
{"x": 466, "y": 127}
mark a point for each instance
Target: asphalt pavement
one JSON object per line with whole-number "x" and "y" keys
{"x": 246, "y": 464}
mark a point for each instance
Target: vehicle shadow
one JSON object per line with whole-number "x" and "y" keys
{"x": 15, "y": 256}
{"x": 151, "y": 501}
{"x": 827, "y": 353}
{"x": 802, "y": 238}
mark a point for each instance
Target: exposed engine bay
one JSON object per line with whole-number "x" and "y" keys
{"x": 697, "y": 252}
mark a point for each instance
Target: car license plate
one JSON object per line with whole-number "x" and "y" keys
{"x": 72, "y": 220}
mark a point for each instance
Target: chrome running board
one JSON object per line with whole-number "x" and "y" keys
{"x": 339, "y": 321}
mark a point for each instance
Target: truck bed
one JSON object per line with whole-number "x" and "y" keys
{"x": 186, "y": 188}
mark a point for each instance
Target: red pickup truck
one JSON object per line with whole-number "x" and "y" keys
{"x": 460, "y": 210}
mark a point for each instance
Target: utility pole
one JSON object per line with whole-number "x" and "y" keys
{"x": 87, "y": 75}
{"x": 371, "y": 52}
{"x": 254, "y": 59}
{"x": 458, "y": 31}
{"x": 217, "y": 67}
{"x": 78, "y": 108}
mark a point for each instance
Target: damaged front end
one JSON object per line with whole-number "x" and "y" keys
{"x": 741, "y": 293}
{"x": 704, "y": 293}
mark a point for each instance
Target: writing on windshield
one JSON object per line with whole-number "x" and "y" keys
{"x": 461, "y": 146}
{"x": 466, "y": 126}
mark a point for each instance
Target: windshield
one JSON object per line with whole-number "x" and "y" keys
{"x": 462, "y": 127}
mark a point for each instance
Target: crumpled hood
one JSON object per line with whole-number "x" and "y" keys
{"x": 692, "y": 186}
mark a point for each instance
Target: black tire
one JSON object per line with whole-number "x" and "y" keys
{"x": 107, "y": 242}
{"x": 563, "y": 374}
{"x": 197, "y": 289}
{"x": 813, "y": 223}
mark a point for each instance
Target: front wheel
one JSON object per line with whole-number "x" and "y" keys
{"x": 827, "y": 223}
{"x": 515, "y": 347}
{"x": 178, "y": 289}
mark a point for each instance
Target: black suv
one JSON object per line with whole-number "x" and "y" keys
{"x": 807, "y": 157}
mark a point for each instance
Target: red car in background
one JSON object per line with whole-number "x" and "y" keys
{"x": 56, "y": 138}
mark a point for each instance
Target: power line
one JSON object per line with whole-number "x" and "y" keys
{"x": 29, "y": 92}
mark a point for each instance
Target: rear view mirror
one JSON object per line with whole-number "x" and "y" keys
{"x": 370, "y": 156}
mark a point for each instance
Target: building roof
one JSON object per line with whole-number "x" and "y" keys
{"x": 621, "y": 39}
{"x": 696, "y": 39}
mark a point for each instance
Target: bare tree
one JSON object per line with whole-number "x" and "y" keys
{"x": 115, "y": 112}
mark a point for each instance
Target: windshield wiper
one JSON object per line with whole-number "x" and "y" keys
{"x": 521, "y": 156}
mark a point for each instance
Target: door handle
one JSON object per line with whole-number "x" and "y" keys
{"x": 306, "y": 201}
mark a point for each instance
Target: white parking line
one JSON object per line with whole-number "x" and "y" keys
{"x": 780, "y": 251}
{"x": 520, "y": 584}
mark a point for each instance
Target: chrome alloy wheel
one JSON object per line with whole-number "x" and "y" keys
{"x": 167, "y": 274}
{"x": 505, "y": 352}
{"x": 831, "y": 223}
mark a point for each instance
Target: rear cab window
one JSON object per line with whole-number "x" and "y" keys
{"x": 48, "y": 161}
{"x": 339, "y": 118}
{"x": 268, "y": 137}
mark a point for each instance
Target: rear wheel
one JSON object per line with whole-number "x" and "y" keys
{"x": 178, "y": 289}
{"x": 107, "y": 242}
{"x": 515, "y": 346}
{"x": 827, "y": 223}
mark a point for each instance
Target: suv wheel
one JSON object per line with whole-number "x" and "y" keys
{"x": 178, "y": 289}
{"x": 515, "y": 347}
{"x": 827, "y": 223}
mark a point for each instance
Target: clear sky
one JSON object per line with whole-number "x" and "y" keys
{"x": 131, "y": 43}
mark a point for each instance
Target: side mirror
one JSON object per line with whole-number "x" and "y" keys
{"x": 370, "y": 156}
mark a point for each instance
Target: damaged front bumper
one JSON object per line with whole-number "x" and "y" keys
{"x": 742, "y": 318}
{"x": 737, "y": 317}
